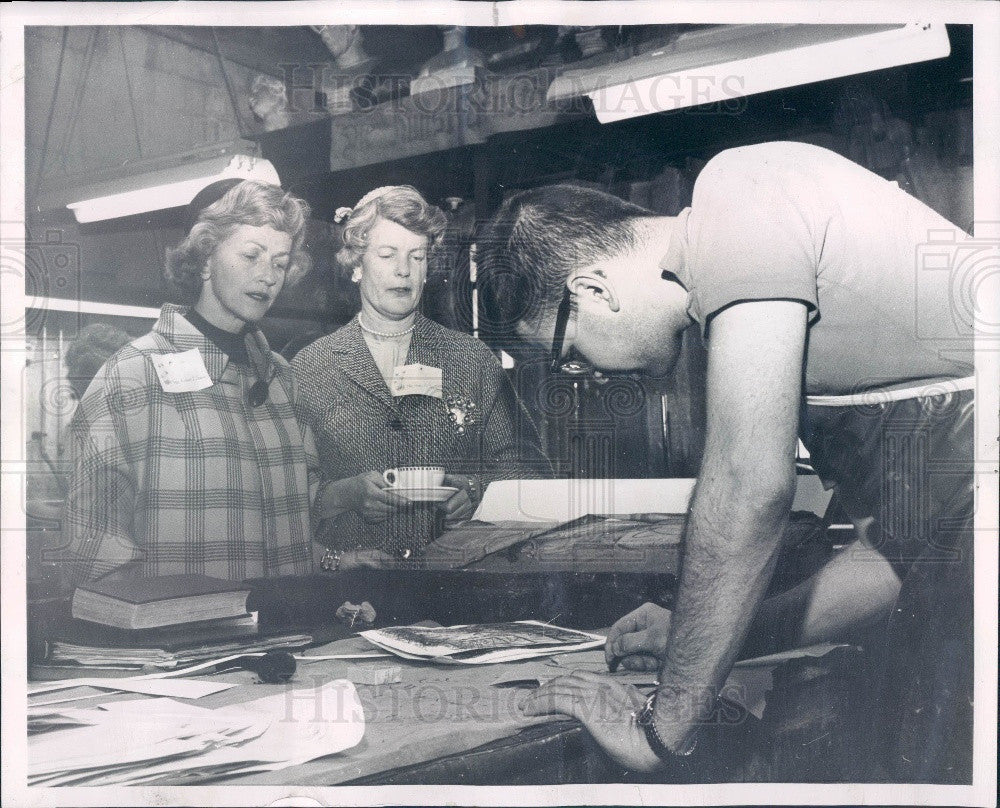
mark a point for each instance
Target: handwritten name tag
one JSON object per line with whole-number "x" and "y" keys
{"x": 182, "y": 372}
{"x": 416, "y": 380}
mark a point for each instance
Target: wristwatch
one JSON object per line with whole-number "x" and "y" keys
{"x": 644, "y": 718}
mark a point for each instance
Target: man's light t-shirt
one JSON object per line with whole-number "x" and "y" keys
{"x": 878, "y": 270}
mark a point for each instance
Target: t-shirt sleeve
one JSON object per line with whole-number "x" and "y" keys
{"x": 752, "y": 235}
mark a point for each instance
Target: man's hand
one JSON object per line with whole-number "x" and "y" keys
{"x": 606, "y": 708}
{"x": 638, "y": 641}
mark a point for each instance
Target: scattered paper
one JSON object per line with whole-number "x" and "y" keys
{"x": 49, "y": 718}
{"x": 816, "y": 651}
{"x": 539, "y": 675}
{"x": 365, "y": 655}
{"x": 513, "y": 655}
{"x": 180, "y": 689}
{"x": 379, "y": 676}
{"x": 136, "y": 742}
{"x": 37, "y": 705}
{"x": 125, "y": 737}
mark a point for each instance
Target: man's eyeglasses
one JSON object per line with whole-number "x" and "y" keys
{"x": 559, "y": 337}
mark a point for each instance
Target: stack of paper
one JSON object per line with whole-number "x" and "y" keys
{"x": 132, "y": 742}
{"x": 479, "y": 644}
{"x": 97, "y": 656}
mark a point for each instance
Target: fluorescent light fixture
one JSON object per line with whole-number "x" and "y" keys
{"x": 90, "y": 307}
{"x": 168, "y": 187}
{"x": 720, "y": 65}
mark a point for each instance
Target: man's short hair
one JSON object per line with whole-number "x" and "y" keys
{"x": 525, "y": 252}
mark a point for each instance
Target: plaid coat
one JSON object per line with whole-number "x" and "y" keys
{"x": 189, "y": 482}
{"x": 359, "y": 426}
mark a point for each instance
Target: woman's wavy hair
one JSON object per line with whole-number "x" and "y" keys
{"x": 401, "y": 204}
{"x": 249, "y": 202}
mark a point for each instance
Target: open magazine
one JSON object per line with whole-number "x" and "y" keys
{"x": 482, "y": 643}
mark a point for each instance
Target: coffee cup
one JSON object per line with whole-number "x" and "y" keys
{"x": 414, "y": 476}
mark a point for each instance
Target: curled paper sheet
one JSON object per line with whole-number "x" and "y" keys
{"x": 141, "y": 742}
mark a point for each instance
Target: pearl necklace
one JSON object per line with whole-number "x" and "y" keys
{"x": 382, "y": 334}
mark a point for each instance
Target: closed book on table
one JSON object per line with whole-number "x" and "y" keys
{"x": 140, "y": 603}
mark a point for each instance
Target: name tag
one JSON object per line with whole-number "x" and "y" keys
{"x": 416, "y": 380}
{"x": 182, "y": 372}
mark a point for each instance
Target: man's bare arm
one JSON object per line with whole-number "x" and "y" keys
{"x": 740, "y": 505}
{"x": 851, "y": 594}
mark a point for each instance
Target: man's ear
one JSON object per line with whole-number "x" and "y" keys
{"x": 594, "y": 285}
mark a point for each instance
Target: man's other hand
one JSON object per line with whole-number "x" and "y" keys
{"x": 638, "y": 641}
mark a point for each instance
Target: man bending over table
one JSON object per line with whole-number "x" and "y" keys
{"x": 816, "y": 286}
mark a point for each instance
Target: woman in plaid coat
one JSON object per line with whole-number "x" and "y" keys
{"x": 393, "y": 388}
{"x": 189, "y": 456}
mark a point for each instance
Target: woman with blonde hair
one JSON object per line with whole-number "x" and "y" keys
{"x": 190, "y": 456}
{"x": 393, "y": 388}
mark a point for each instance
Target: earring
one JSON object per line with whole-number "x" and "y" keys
{"x": 356, "y": 276}
{"x": 205, "y": 274}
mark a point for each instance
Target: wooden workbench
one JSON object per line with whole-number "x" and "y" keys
{"x": 449, "y": 724}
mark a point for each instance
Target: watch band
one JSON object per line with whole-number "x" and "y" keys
{"x": 644, "y": 718}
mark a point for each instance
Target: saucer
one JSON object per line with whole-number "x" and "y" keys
{"x": 438, "y": 493}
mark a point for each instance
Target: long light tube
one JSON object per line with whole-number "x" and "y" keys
{"x": 171, "y": 187}
{"x": 721, "y": 65}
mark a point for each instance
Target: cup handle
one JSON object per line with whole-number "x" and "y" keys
{"x": 389, "y": 475}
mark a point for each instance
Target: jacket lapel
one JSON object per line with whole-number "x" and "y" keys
{"x": 425, "y": 347}
{"x": 355, "y": 360}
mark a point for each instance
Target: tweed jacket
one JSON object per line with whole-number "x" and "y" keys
{"x": 360, "y": 427}
{"x": 191, "y": 481}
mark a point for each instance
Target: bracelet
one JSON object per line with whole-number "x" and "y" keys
{"x": 473, "y": 488}
{"x": 330, "y": 560}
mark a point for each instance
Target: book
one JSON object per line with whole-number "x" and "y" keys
{"x": 140, "y": 603}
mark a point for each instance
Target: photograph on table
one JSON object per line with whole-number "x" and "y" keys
{"x": 469, "y": 642}
{"x": 500, "y": 394}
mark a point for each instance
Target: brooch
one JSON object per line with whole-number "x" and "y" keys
{"x": 462, "y": 413}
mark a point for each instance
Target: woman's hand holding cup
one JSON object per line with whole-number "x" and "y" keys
{"x": 458, "y": 507}
{"x": 366, "y": 494}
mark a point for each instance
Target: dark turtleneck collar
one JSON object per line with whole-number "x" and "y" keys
{"x": 232, "y": 345}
